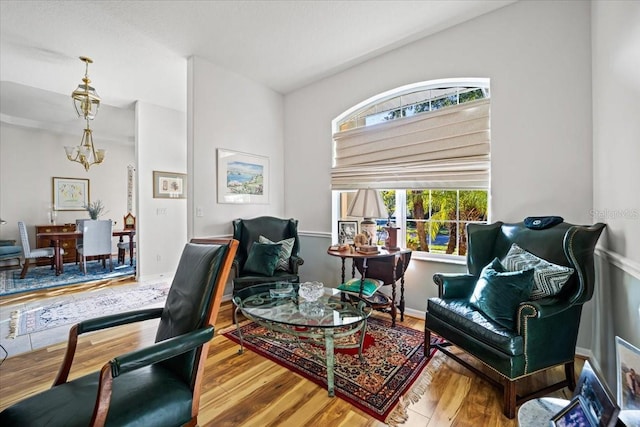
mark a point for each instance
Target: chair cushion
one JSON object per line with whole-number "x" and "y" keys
{"x": 10, "y": 250}
{"x": 548, "y": 278}
{"x": 498, "y": 293}
{"x": 460, "y": 315}
{"x": 263, "y": 258}
{"x": 353, "y": 286}
{"x": 285, "y": 251}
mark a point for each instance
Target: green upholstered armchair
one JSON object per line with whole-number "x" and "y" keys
{"x": 154, "y": 386}
{"x": 248, "y": 232}
{"x": 544, "y": 331}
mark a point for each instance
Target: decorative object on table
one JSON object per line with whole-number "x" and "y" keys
{"x": 361, "y": 239}
{"x": 391, "y": 239}
{"x": 511, "y": 352}
{"x": 44, "y": 278}
{"x": 347, "y": 231}
{"x": 129, "y": 221}
{"x": 575, "y": 414}
{"x": 169, "y": 185}
{"x": 628, "y": 373}
{"x": 242, "y": 178}
{"x": 282, "y": 290}
{"x": 311, "y": 291}
{"x": 70, "y": 194}
{"x": 29, "y": 254}
{"x": 95, "y": 209}
{"x": 383, "y": 391}
{"x": 73, "y": 310}
{"x": 86, "y": 102}
{"x": 596, "y": 397}
{"x": 367, "y": 249}
{"x": 367, "y": 204}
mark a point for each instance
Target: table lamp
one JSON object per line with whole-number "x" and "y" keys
{"x": 367, "y": 204}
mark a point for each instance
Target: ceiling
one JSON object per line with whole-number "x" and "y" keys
{"x": 140, "y": 48}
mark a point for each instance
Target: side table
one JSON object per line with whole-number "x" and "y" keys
{"x": 386, "y": 265}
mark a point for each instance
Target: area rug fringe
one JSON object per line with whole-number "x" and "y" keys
{"x": 13, "y": 324}
{"x": 400, "y": 415}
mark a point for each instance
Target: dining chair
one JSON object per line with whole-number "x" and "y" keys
{"x": 96, "y": 236}
{"x": 79, "y": 224}
{"x": 28, "y": 254}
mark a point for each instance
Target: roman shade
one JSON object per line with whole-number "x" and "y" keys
{"x": 444, "y": 149}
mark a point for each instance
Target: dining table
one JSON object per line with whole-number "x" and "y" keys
{"x": 55, "y": 237}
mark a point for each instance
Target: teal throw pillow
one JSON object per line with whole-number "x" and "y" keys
{"x": 370, "y": 286}
{"x": 498, "y": 293}
{"x": 285, "y": 251}
{"x": 262, "y": 258}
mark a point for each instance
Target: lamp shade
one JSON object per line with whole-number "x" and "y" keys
{"x": 367, "y": 204}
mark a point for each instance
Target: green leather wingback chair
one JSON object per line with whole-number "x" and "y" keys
{"x": 154, "y": 386}
{"x": 248, "y": 231}
{"x": 546, "y": 329}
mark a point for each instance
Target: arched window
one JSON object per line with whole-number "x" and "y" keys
{"x": 426, "y": 147}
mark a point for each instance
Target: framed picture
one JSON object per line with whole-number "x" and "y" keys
{"x": 242, "y": 178}
{"x": 169, "y": 185}
{"x": 597, "y": 399}
{"x": 70, "y": 194}
{"x": 347, "y": 231}
{"x": 628, "y": 372}
{"x": 575, "y": 414}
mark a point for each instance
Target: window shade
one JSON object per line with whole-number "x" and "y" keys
{"x": 444, "y": 149}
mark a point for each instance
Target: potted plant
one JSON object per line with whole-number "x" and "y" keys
{"x": 95, "y": 209}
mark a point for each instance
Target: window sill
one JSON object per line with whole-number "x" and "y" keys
{"x": 442, "y": 259}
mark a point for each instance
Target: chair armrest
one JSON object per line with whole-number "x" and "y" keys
{"x": 454, "y": 285}
{"x": 294, "y": 263}
{"x": 137, "y": 359}
{"x": 119, "y": 319}
{"x": 95, "y": 325}
{"x": 160, "y": 351}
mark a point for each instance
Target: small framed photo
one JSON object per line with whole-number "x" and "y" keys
{"x": 169, "y": 185}
{"x": 597, "y": 400}
{"x": 70, "y": 194}
{"x": 575, "y": 414}
{"x": 242, "y": 177}
{"x": 347, "y": 231}
{"x": 628, "y": 372}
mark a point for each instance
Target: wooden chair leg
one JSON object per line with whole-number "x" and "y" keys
{"x": 427, "y": 341}
{"x": 509, "y": 398}
{"x": 570, "y": 372}
{"x": 25, "y": 267}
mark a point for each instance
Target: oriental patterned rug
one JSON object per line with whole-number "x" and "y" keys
{"x": 43, "y": 277}
{"x": 74, "y": 310}
{"x": 391, "y": 378}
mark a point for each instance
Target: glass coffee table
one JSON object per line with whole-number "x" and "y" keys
{"x": 324, "y": 322}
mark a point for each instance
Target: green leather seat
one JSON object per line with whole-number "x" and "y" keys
{"x": 546, "y": 329}
{"x": 154, "y": 386}
{"x": 248, "y": 231}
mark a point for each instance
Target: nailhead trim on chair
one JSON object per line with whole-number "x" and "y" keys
{"x": 524, "y": 334}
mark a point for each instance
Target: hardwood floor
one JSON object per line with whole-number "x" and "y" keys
{"x": 249, "y": 390}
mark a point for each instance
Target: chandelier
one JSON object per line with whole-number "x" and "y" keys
{"x": 86, "y": 102}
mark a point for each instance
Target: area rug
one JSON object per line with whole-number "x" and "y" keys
{"x": 43, "y": 277}
{"x": 383, "y": 387}
{"x": 76, "y": 310}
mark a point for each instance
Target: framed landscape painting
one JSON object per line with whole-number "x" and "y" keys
{"x": 70, "y": 194}
{"x": 169, "y": 185}
{"x": 242, "y": 178}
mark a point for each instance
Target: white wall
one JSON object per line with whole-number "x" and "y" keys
{"x": 616, "y": 147}
{"x": 537, "y": 55}
{"x": 29, "y": 158}
{"x": 161, "y": 223}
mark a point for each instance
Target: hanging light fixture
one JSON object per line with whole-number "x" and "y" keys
{"x": 86, "y": 102}
{"x": 85, "y": 153}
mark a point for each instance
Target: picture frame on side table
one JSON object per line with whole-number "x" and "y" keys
{"x": 575, "y": 414}
{"x": 628, "y": 375}
{"x": 70, "y": 194}
{"x": 242, "y": 177}
{"x": 169, "y": 185}
{"x": 347, "y": 231}
{"x": 597, "y": 399}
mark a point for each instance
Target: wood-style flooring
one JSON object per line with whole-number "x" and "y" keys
{"x": 249, "y": 390}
